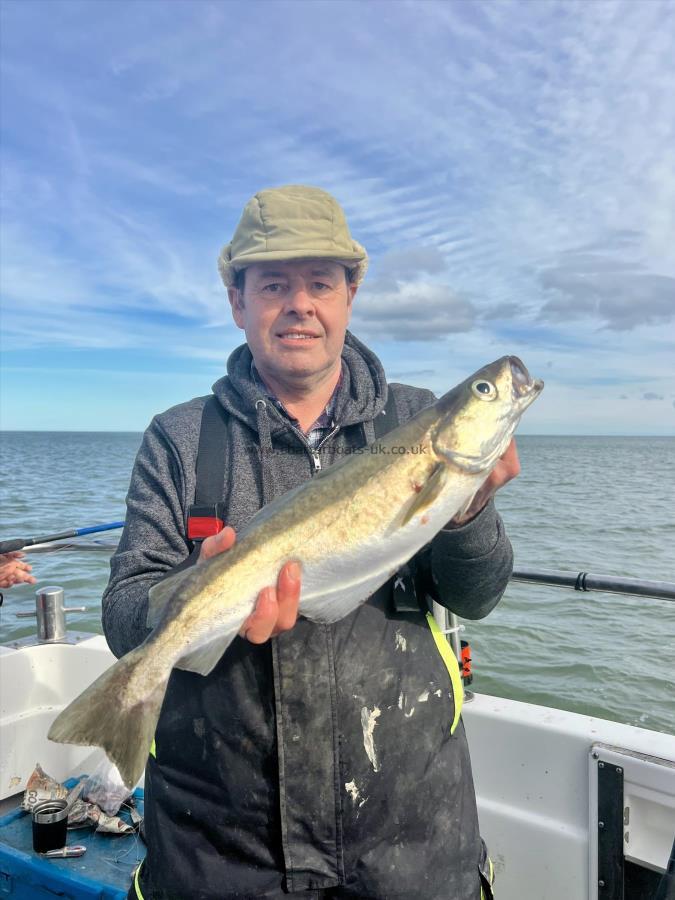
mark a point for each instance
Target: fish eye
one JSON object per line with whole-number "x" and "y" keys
{"x": 484, "y": 390}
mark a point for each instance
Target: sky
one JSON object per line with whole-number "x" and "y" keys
{"x": 509, "y": 164}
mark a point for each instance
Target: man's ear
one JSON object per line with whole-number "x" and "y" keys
{"x": 236, "y": 299}
{"x": 351, "y": 293}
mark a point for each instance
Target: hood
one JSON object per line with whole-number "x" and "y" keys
{"x": 362, "y": 394}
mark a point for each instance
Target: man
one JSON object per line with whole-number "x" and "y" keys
{"x": 322, "y": 762}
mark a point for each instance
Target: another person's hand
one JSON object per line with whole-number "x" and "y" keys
{"x": 508, "y": 466}
{"x": 13, "y": 570}
{"x": 276, "y": 609}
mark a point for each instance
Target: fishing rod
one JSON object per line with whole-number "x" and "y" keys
{"x": 20, "y": 543}
{"x": 585, "y": 581}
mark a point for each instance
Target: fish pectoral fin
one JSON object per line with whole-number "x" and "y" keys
{"x": 465, "y": 506}
{"x": 204, "y": 658}
{"x": 430, "y": 492}
{"x": 332, "y": 606}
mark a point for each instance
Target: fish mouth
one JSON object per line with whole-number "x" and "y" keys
{"x": 524, "y": 388}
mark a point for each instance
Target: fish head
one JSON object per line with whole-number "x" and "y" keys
{"x": 476, "y": 419}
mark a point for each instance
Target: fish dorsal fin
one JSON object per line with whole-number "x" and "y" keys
{"x": 429, "y": 493}
{"x": 203, "y": 659}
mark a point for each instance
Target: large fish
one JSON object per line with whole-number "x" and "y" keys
{"x": 351, "y": 527}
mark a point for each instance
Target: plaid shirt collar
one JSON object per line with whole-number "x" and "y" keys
{"x": 324, "y": 423}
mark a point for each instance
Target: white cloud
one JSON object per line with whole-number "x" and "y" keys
{"x": 413, "y": 311}
{"x": 615, "y": 290}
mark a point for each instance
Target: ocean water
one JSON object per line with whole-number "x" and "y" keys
{"x": 597, "y": 504}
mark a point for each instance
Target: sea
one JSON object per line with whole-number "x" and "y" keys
{"x": 604, "y": 505}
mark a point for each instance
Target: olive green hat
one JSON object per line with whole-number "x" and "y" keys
{"x": 292, "y": 222}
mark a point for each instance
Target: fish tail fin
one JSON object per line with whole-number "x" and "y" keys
{"x": 118, "y": 712}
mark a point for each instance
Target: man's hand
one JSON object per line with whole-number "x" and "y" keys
{"x": 508, "y": 466}
{"x": 13, "y": 571}
{"x": 276, "y": 609}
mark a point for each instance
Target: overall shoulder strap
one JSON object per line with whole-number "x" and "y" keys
{"x": 205, "y": 516}
{"x": 210, "y": 467}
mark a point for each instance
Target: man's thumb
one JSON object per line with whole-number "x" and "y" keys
{"x": 218, "y": 543}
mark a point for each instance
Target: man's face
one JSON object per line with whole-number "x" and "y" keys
{"x": 295, "y": 315}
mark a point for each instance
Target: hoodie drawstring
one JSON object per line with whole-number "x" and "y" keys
{"x": 369, "y": 432}
{"x": 265, "y": 438}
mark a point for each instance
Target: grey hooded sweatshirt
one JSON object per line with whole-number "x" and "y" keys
{"x": 324, "y": 759}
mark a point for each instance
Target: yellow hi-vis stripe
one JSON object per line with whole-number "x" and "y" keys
{"x": 153, "y": 749}
{"x": 451, "y": 665}
{"x": 137, "y": 886}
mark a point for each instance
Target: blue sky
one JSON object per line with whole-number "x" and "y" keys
{"x": 508, "y": 165}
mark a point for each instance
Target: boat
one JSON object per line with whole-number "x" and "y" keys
{"x": 572, "y": 807}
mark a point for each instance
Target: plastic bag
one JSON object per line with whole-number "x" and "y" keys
{"x": 105, "y": 788}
